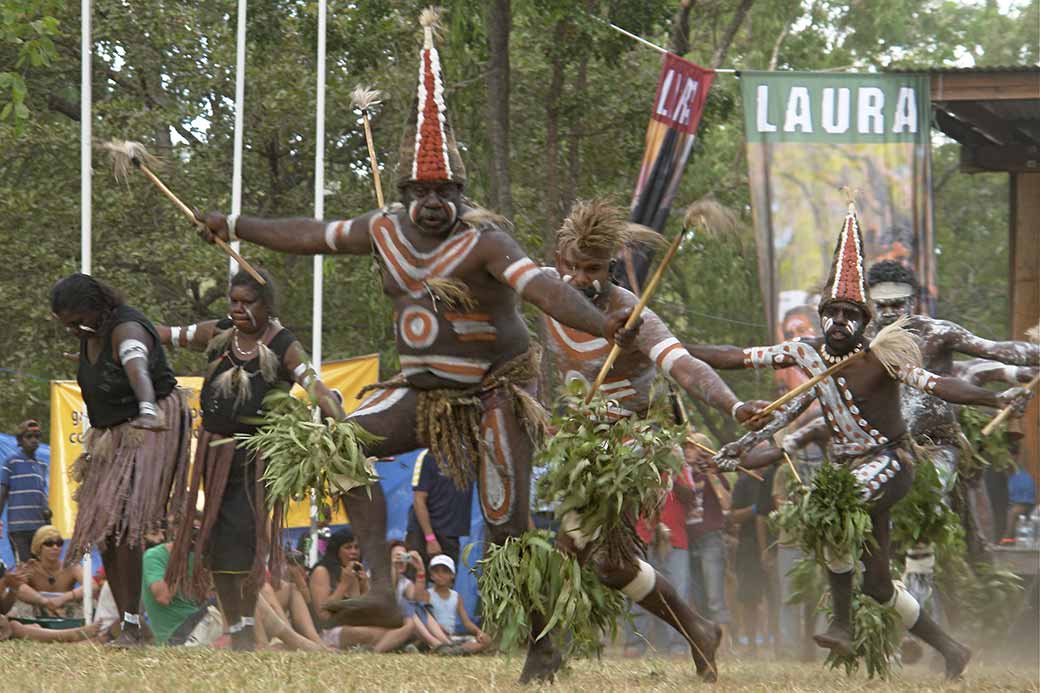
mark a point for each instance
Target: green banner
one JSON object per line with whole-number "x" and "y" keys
{"x": 808, "y": 136}
{"x": 834, "y": 108}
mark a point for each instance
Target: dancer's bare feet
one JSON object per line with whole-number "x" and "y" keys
{"x": 837, "y": 639}
{"x": 543, "y": 661}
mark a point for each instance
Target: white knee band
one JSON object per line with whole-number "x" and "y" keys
{"x": 571, "y": 526}
{"x": 838, "y": 564}
{"x": 904, "y": 604}
{"x": 642, "y": 584}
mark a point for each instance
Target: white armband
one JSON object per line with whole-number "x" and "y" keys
{"x": 132, "y": 349}
{"x": 519, "y": 274}
{"x": 147, "y": 409}
{"x": 734, "y": 408}
{"x": 232, "y": 221}
{"x": 305, "y": 374}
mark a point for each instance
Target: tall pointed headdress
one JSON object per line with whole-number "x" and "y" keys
{"x": 429, "y": 152}
{"x": 847, "y": 281}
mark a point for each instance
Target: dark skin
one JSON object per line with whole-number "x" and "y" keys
{"x": 876, "y": 393}
{"x": 426, "y": 224}
{"x": 84, "y": 325}
{"x": 28, "y": 442}
{"x": 252, "y": 319}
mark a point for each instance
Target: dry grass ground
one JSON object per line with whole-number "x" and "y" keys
{"x": 31, "y": 667}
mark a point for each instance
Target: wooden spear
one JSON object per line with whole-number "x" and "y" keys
{"x": 1006, "y": 411}
{"x": 133, "y": 154}
{"x": 364, "y": 98}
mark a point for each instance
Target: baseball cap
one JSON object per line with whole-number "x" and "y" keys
{"x": 441, "y": 559}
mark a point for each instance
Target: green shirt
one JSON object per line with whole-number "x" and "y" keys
{"x": 164, "y": 619}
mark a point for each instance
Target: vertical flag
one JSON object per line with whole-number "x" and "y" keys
{"x": 682, "y": 90}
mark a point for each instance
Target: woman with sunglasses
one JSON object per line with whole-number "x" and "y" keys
{"x": 136, "y": 451}
{"x": 50, "y": 585}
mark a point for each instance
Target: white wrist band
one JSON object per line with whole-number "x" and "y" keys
{"x": 147, "y": 409}
{"x": 734, "y": 408}
{"x": 232, "y": 221}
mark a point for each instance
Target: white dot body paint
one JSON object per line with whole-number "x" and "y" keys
{"x": 853, "y": 326}
{"x": 252, "y": 320}
{"x": 567, "y": 279}
{"x": 827, "y": 323}
{"x": 596, "y": 286}
{"x": 454, "y": 213}
{"x": 413, "y": 211}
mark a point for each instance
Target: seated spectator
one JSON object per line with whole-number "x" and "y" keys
{"x": 290, "y": 602}
{"x": 10, "y": 581}
{"x": 270, "y": 624}
{"x": 408, "y": 593}
{"x": 175, "y": 619}
{"x": 440, "y": 511}
{"x": 11, "y": 629}
{"x": 449, "y": 611}
{"x": 51, "y": 587}
{"x": 339, "y": 575}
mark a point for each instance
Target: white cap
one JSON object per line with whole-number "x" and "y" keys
{"x": 441, "y": 559}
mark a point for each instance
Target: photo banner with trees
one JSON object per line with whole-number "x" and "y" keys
{"x": 682, "y": 89}
{"x": 809, "y": 135}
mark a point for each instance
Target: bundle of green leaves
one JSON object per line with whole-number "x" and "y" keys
{"x": 921, "y": 517}
{"x": 606, "y": 471}
{"x": 830, "y": 519}
{"x": 993, "y": 451}
{"x": 528, "y": 574}
{"x": 304, "y": 454}
{"x": 876, "y": 634}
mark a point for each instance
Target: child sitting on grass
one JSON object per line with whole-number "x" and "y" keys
{"x": 448, "y": 609}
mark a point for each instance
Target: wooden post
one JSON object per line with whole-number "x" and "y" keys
{"x": 1024, "y": 301}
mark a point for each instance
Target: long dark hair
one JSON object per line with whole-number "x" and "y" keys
{"x": 81, "y": 292}
{"x": 331, "y": 558}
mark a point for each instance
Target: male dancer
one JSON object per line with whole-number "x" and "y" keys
{"x": 454, "y": 277}
{"x": 869, "y": 434}
{"x": 590, "y": 237}
{"x": 933, "y": 422}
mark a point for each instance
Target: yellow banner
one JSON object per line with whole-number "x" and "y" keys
{"x": 69, "y": 423}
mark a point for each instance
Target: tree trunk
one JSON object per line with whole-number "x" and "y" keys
{"x": 574, "y": 137}
{"x": 731, "y": 32}
{"x": 680, "y": 39}
{"x": 499, "y": 25}
{"x": 553, "y": 215}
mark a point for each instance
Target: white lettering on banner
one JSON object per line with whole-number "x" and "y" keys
{"x": 680, "y": 107}
{"x": 688, "y": 94}
{"x": 870, "y": 118}
{"x": 799, "y": 112}
{"x": 666, "y": 88}
{"x": 836, "y": 126}
{"x": 906, "y": 111}
{"x": 762, "y": 110}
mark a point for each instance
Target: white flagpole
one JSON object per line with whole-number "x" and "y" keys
{"x": 85, "y": 214}
{"x": 85, "y": 103}
{"x": 240, "y": 93}
{"x": 319, "y": 213}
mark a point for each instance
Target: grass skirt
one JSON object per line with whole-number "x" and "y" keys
{"x": 129, "y": 478}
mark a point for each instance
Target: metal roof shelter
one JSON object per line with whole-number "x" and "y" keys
{"x": 994, "y": 112}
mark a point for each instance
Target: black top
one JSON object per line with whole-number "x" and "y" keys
{"x": 448, "y": 506}
{"x": 219, "y": 413}
{"x": 105, "y": 385}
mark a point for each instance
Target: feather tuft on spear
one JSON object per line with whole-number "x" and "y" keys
{"x": 127, "y": 154}
{"x": 430, "y": 18}
{"x": 1033, "y": 334}
{"x": 709, "y": 216}
{"x": 364, "y": 98}
{"x": 896, "y": 348}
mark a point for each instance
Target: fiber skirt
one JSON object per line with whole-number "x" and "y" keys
{"x": 129, "y": 478}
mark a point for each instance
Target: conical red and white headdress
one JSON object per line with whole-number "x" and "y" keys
{"x": 429, "y": 152}
{"x": 847, "y": 281}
